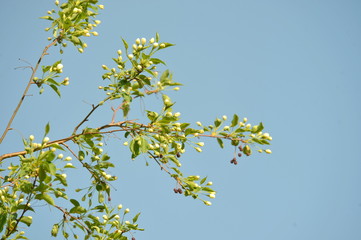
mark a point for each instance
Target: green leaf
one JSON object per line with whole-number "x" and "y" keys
{"x": 217, "y": 122}
{"x": 157, "y": 61}
{"x": 235, "y": 120}
{"x": 55, "y": 88}
{"x": 27, "y": 220}
{"x": 136, "y": 218}
{"x": 203, "y": 180}
{"x": 47, "y": 198}
{"x": 3, "y": 218}
{"x": 75, "y": 202}
{"x": 100, "y": 197}
{"x": 51, "y": 168}
{"x": 220, "y": 142}
{"x": 54, "y": 230}
{"x": 75, "y": 40}
{"x": 47, "y": 128}
{"x": 125, "y": 44}
{"x": 42, "y": 173}
{"x": 78, "y": 209}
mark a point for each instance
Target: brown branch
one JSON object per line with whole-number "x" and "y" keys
{"x": 26, "y": 89}
{"x": 63, "y": 140}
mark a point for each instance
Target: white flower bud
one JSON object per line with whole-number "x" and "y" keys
{"x": 151, "y": 41}
{"x": 268, "y": 151}
{"x": 68, "y": 159}
{"x": 198, "y": 149}
{"x": 101, "y": 6}
{"x": 199, "y": 124}
{"x": 137, "y": 41}
{"x": 59, "y": 66}
{"x": 212, "y": 195}
{"x": 46, "y": 139}
{"x": 155, "y": 44}
{"x": 127, "y": 210}
{"x": 224, "y": 117}
{"x": 130, "y": 56}
{"x": 120, "y": 206}
{"x": 60, "y": 156}
{"x": 208, "y": 203}
{"x": 97, "y": 21}
{"x": 200, "y": 144}
{"x": 119, "y": 52}
{"x": 162, "y": 45}
{"x": 143, "y": 40}
{"x": 31, "y": 137}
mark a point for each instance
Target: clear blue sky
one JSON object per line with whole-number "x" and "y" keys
{"x": 294, "y": 65}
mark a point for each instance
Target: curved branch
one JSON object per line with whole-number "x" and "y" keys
{"x": 27, "y": 89}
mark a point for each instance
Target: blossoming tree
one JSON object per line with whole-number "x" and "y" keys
{"x": 38, "y": 172}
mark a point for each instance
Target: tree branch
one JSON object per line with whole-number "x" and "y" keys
{"x": 27, "y": 89}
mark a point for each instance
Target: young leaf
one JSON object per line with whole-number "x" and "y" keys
{"x": 75, "y": 202}
{"x": 55, "y": 88}
{"x": 234, "y": 120}
{"x": 27, "y": 220}
{"x": 125, "y": 44}
{"x": 47, "y": 198}
{"x": 220, "y": 142}
{"x": 136, "y": 218}
{"x": 47, "y": 128}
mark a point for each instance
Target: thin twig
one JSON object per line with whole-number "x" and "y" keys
{"x": 26, "y": 89}
{"x": 72, "y": 218}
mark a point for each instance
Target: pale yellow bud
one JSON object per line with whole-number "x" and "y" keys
{"x": 208, "y": 203}
{"x": 268, "y": 151}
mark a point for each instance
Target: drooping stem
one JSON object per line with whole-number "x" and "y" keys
{"x": 27, "y": 88}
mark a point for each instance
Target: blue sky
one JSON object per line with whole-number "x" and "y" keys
{"x": 294, "y": 65}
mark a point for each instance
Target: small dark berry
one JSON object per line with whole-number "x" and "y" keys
{"x": 178, "y": 155}
{"x": 161, "y": 156}
{"x": 240, "y": 148}
{"x": 239, "y": 154}
{"x": 180, "y": 191}
{"x": 175, "y": 190}
{"x": 235, "y": 162}
{"x": 133, "y": 238}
